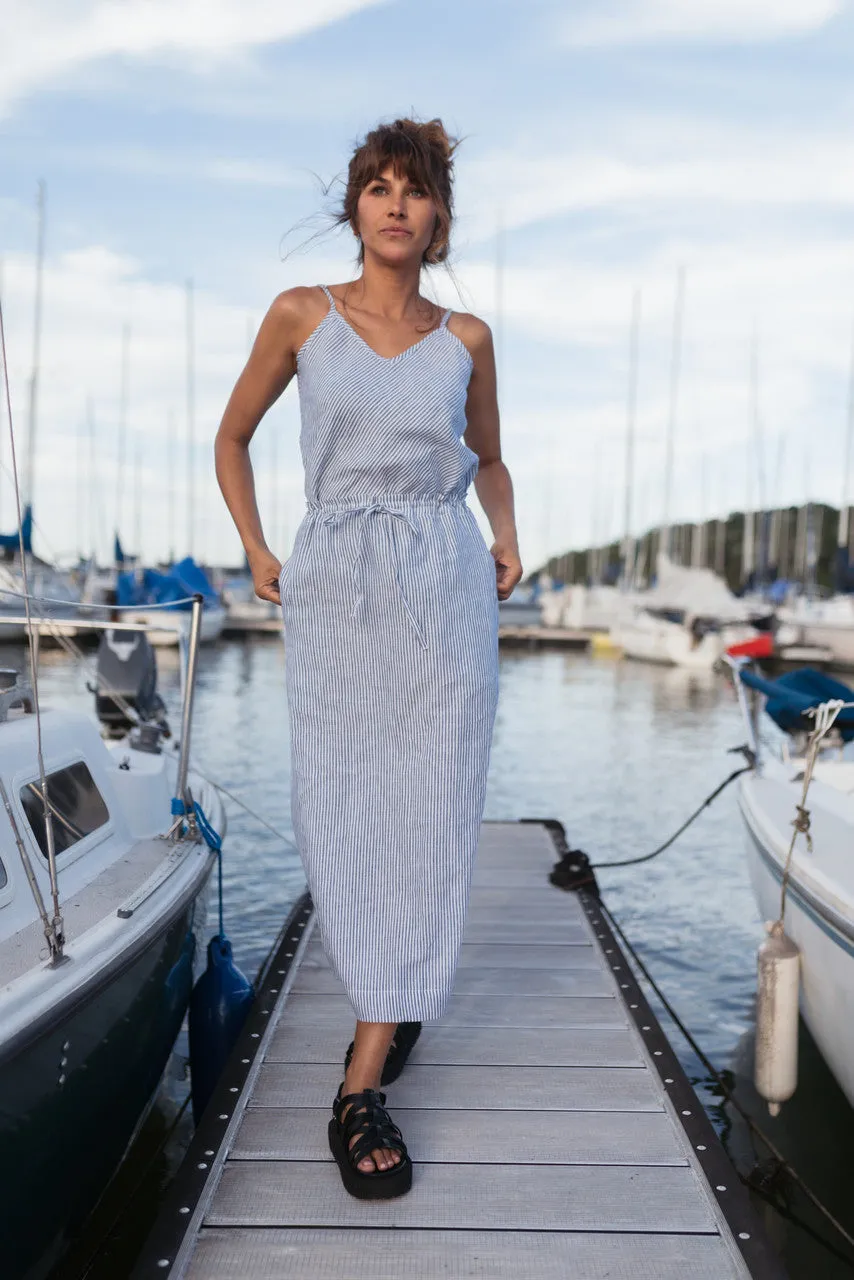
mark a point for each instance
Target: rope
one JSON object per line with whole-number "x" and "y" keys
{"x": 824, "y": 715}
{"x": 243, "y": 805}
{"x": 647, "y": 857}
{"x": 722, "y": 1084}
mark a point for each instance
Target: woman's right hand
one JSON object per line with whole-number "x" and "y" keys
{"x": 265, "y": 570}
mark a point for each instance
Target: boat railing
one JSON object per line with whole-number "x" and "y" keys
{"x": 183, "y": 809}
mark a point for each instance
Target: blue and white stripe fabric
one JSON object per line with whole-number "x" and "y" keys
{"x": 391, "y": 639}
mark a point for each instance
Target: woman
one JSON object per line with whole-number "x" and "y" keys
{"x": 390, "y": 606}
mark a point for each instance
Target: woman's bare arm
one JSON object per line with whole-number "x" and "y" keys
{"x": 492, "y": 483}
{"x": 269, "y": 369}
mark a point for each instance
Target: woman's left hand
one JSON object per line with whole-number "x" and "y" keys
{"x": 508, "y": 566}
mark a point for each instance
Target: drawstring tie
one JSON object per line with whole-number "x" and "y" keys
{"x": 330, "y": 516}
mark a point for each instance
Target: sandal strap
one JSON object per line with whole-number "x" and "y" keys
{"x": 367, "y": 1126}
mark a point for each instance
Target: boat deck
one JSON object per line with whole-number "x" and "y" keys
{"x": 552, "y": 1130}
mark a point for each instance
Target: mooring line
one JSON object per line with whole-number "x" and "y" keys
{"x": 724, "y": 1087}
{"x": 647, "y": 857}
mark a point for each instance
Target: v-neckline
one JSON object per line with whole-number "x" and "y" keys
{"x": 333, "y": 306}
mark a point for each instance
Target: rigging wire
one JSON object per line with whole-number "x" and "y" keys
{"x": 56, "y": 940}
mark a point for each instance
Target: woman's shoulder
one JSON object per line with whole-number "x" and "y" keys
{"x": 474, "y": 333}
{"x": 292, "y": 306}
{"x": 294, "y": 314}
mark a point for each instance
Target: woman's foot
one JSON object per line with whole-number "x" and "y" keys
{"x": 381, "y": 1158}
{"x": 364, "y": 1071}
{"x": 361, "y": 1132}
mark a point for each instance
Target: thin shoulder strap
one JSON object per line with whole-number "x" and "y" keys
{"x": 329, "y": 296}
{"x": 446, "y": 317}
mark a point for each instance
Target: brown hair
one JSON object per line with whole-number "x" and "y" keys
{"x": 422, "y": 152}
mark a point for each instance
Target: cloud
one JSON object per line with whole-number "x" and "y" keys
{"x": 681, "y": 168}
{"x": 46, "y": 42}
{"x": 617, "y": 22}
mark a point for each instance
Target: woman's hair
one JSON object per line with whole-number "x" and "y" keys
{"x": 421, "y": 152}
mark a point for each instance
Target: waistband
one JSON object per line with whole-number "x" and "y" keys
{"x": 395, "y": 501}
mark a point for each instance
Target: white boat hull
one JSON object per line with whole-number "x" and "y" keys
{"x": 826, "y": 624}
{"x": 818, "y": 914}
{"x": 650, "y": 639}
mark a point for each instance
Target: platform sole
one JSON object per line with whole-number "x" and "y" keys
{"x": 369, "y": 1186}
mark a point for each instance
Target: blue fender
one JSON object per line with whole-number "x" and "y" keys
{"x": 219, "y": 1004}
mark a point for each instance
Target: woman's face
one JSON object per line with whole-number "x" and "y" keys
{"x": 396, "y": 218}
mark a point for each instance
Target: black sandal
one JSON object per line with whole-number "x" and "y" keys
{"x": 368, "y": 1122}
{"x": 402, "y": 1044}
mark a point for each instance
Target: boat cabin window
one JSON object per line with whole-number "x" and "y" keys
{"x": 76, "y": 805}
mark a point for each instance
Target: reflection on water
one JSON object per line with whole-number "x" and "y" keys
{"x": 620, "y": 752}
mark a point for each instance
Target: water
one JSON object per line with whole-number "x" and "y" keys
{"x": 620, "y": 753}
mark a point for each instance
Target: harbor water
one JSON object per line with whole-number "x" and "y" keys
{"x": 620, "y": 753}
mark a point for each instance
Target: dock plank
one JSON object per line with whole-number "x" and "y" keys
{"x": 597, "y": 1008}
{"x": 518, "y": 982}
{"x": 473, "y": 1046}
{"x": 462, "y": 1088}
{"x": 482, "y": 1137}
{"x": 466, "y": 1197}
{"x": 479, "y": 955}
{"x": 380, "y": 1254}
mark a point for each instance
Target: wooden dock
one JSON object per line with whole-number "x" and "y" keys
{"x": 540, "y": 637}
{"x": 552, "y": 1130}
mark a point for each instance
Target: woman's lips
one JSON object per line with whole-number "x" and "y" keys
{"x": 394, "y": 231}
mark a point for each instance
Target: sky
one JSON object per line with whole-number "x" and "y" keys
{"x": 605, "y": 145}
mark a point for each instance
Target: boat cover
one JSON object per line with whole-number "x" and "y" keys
{"x": 149, "y": 586}
{"x": 697, "y": 592}
{"x": 791, "y": 695}
{"x": 12, "y": 540}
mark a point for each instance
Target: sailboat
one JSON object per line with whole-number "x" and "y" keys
{"x": 818, "y": 903}
{"x": 106, "y": 854}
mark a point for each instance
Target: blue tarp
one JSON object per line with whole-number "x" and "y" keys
{"x": 12, "y": 540}
{"x": 791, "y": 695}
{"x": 149, "y": 586}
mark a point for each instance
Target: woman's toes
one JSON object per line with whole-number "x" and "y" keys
{"x": 367, "y": 1165}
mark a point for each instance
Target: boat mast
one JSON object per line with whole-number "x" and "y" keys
{"x": 93, "y": 528}
{"x": 80, "y": 440}
{"x": 698, "y": 529}
{"x": 631, "y": 416}
{"x": 123, "y": 425}
{"x": 748, "y": 551}
{"x": 191, "y": 417}
{"x": 843, "y": 535}
{"x": 801, "y": 528}
{"x": 675, "y": 370}
{"x": 137, "y": 502}
{"x": 756, "y": 417}
{"x": 776, "y": 515}
{"x": 170, "y": 484}
{"x": 30, "y": 473}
